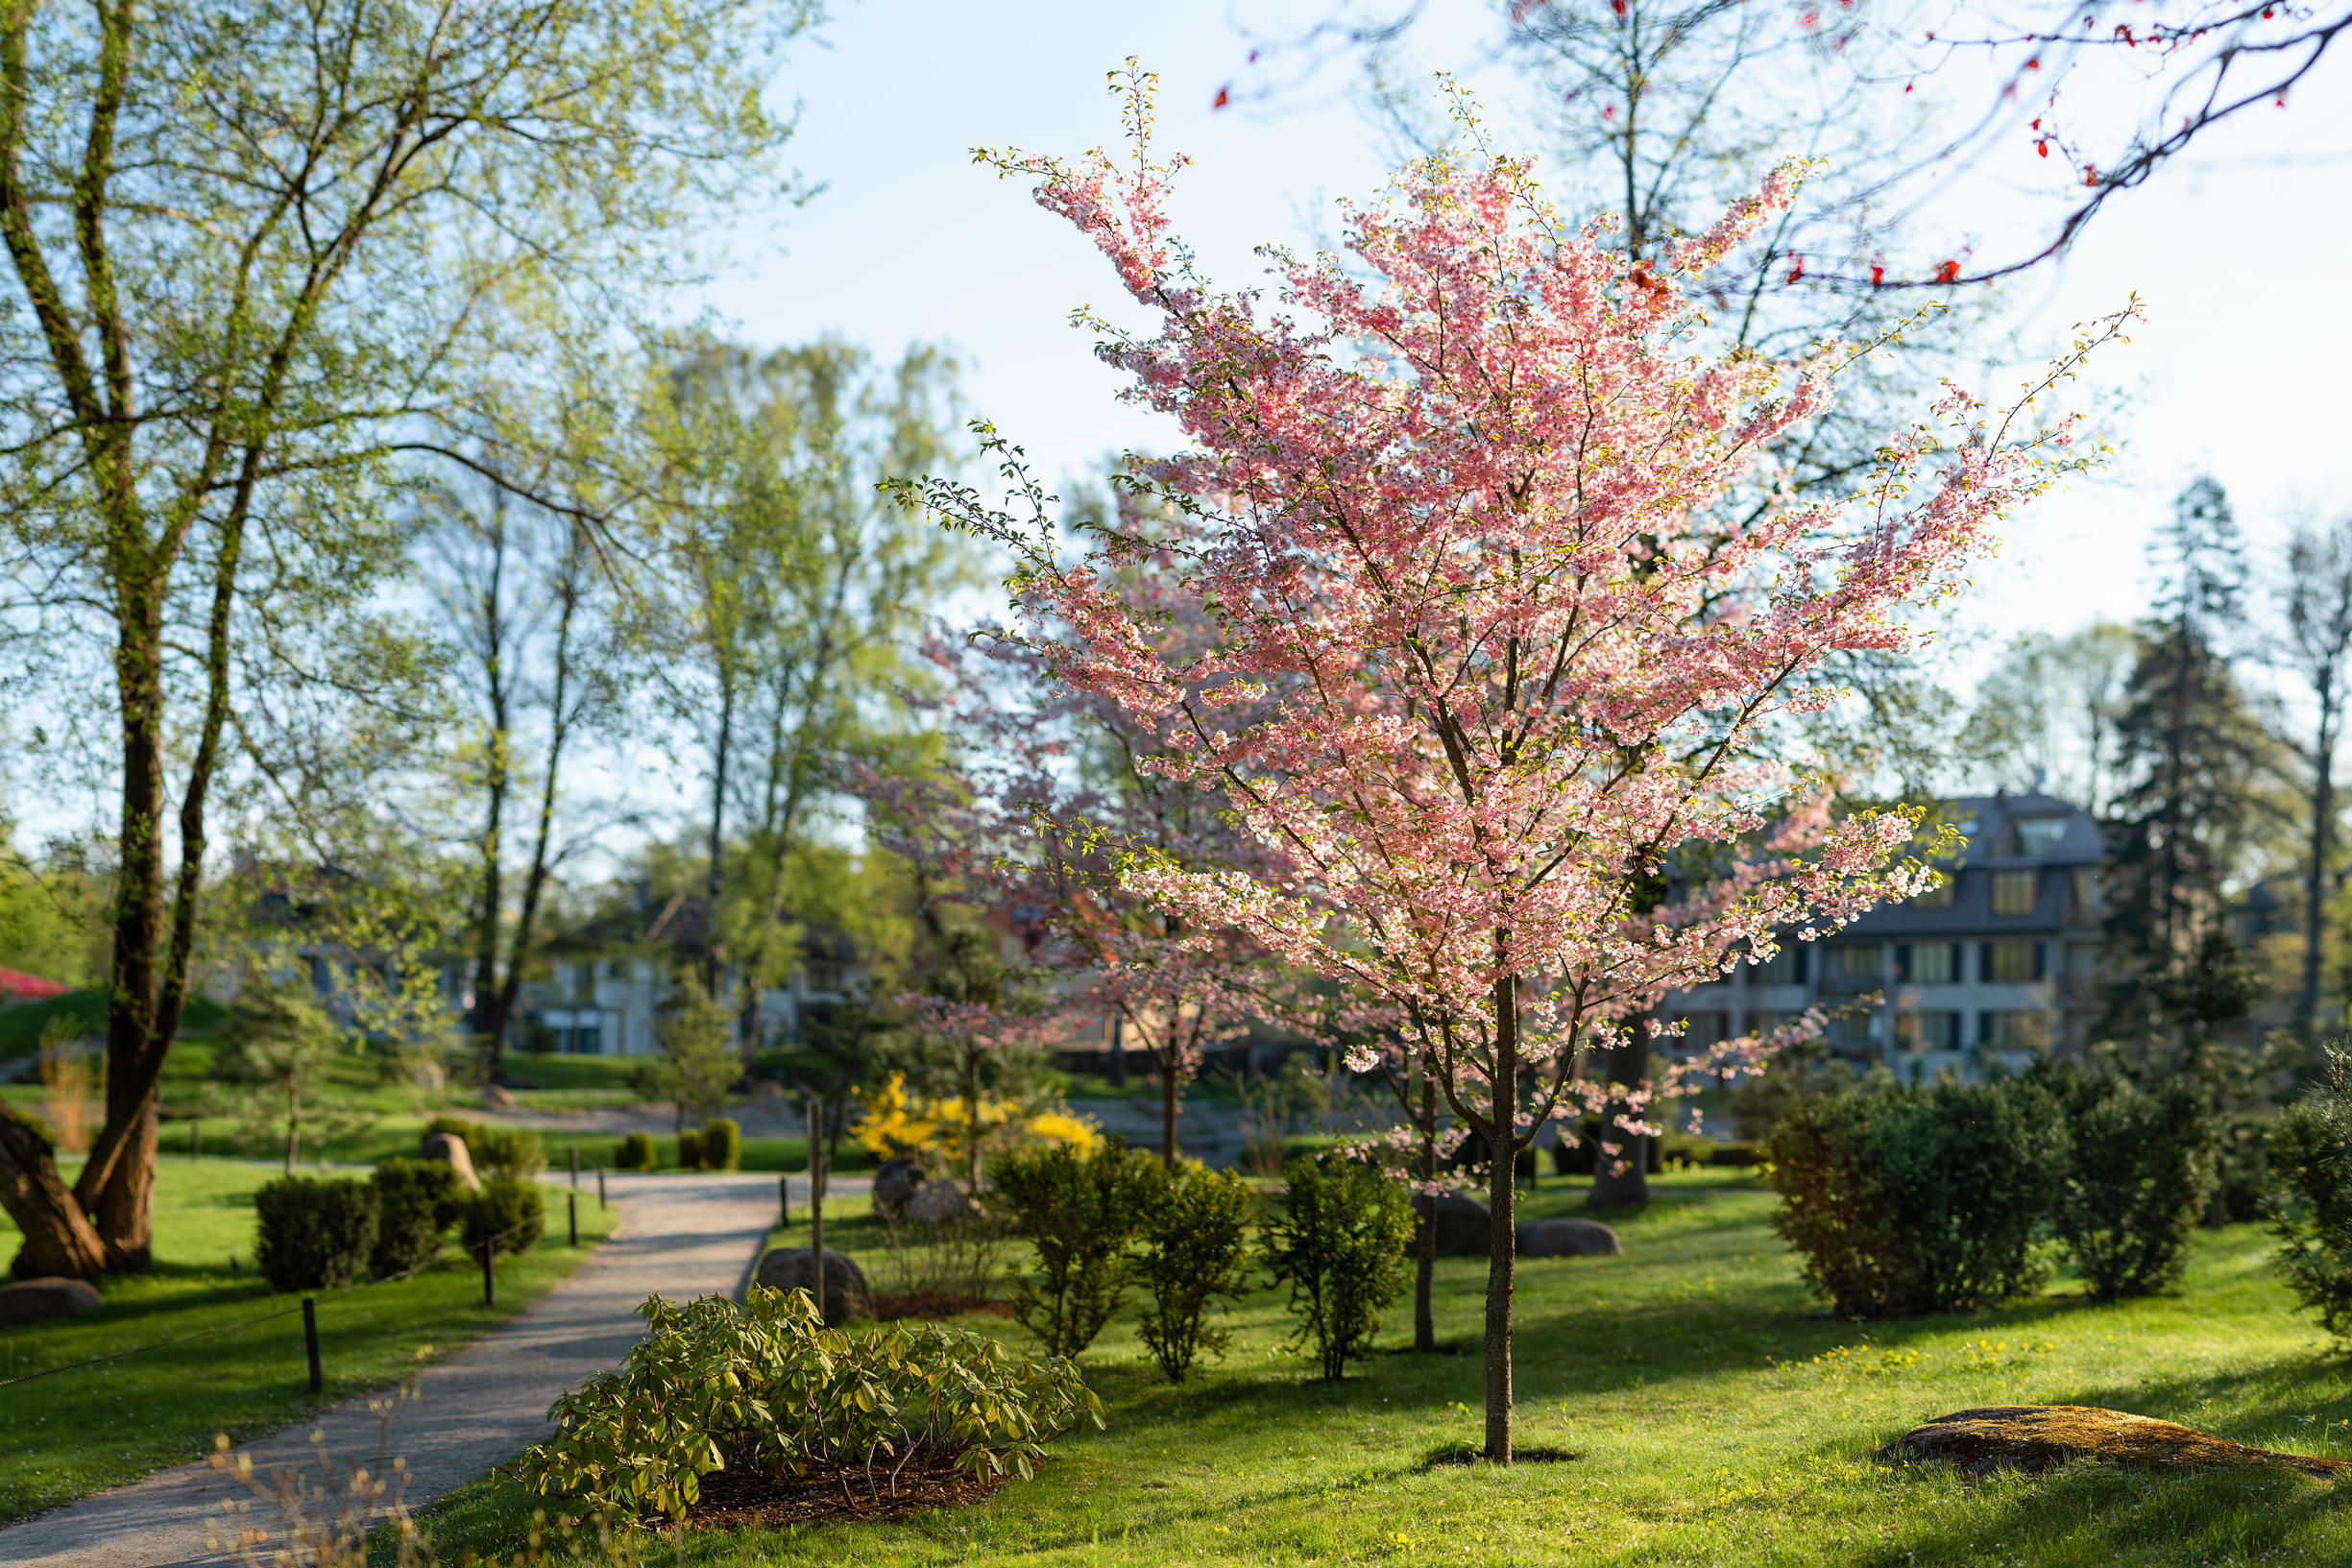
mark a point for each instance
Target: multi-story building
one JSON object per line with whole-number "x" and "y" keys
{"x": 1999, "y": 961}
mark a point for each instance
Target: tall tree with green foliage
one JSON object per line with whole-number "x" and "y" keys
{"x": 257, "y": 254}
{"x": 2314, "y": 602}
{"x": 2188, "y": 752}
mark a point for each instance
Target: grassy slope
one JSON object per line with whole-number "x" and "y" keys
{"x": 1716, "y": 1419}
{"x": 76, "y": 1431}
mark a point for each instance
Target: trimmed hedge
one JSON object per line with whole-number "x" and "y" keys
{"x": 315, "y": 1235}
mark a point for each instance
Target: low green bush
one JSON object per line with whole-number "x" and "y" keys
{"x": 1079, "y": 1212}
{"x": 2310, "y": 1211}
{"x": 1195, "y": 1233}
{"x": 315, "y": 1235}
{"x": 765, "y": 1389}
{"x": 636, "y": 1152}
{"x": 416, "y": 1203}
{"x": 509, "y": 1213}
{"x": 1906, "y": 1200}
{"x": 690, "y": 1149}
{"x": 1340, "y": 1245}
{"x": 2139, "y": 1171}
{"x": 514, "y": 1151}
{"x": 722, "y": 1145}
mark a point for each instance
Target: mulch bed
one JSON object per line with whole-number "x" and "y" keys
{"x": 739, "y": 1501}
{"x": 934, "y": 1305}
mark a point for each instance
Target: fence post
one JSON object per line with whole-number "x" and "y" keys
{"x": 783, "y": 1202}
{"x": 575, "y": 1166}
{"x": 310, "y": 1341}
{"x": 490, "y": 1279}
{"x": 601, "y": 1201}
{"x": 571, "y": 1209}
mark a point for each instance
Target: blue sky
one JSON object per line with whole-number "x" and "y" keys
{"x": 2237, "y": 370}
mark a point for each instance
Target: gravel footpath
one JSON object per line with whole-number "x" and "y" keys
{"x": 681, "y": 1235}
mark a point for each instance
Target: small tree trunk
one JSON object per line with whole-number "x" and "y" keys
{"x": 1626, "y": 1065}
{"x": 1501, "y": 1243}
{"x": 58, "y": 1238}
{"x": 1168, "y": 1110}
{"x": 1425, "y": 1242}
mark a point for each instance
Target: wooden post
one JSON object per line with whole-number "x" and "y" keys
{"x": 490, "y": 1279}
{"x": 571, "y": 1209}
{"x": 783, "y": 1202}
{"x": 310, "y": 1341}
{"x": 575, "y": 1166}
{"x": 816, "y": 1201}
{"x": 602, "y": 1202}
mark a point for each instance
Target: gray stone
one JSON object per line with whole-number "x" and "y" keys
{"x": 1566, "y": 1239}
{"x": 938, "y": 1201}
{"x": 846, "y": 1292}
{"x": 49, "y": 1296}
{"x": 450, "y": 1151}
{"x": 1464, "y": 1225}
{"x": 895, "y": 1181}
{"x": 498, "y": 1099}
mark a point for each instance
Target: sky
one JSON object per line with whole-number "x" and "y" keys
{"x": 2235, "y": 373}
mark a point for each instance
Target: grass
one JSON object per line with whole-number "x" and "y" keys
{"x": 1716, "y": 1416}
{"x": 73, "y": 1433}
{"x": 21, "y": 1025}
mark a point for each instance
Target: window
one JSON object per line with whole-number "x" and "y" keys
{"x": 2037, "y": 836}
{"x": 1929, "y": 963}
{"x": 2086, "y": 893}
{"x": 1929, "y": 1031}
{"x": 1701, "y": 1030}
{"x": 1786, "y": 967}
{"x": 2016, "y": 1031}
{"x": 587, "y": 1038}
{"x": 2012, "y": 963}
{"x": 1852, "y": 961}
{"x": 1853, "y": 1035}
{"x": 1938, "y": 897}
{"x": 2013, "y": 892}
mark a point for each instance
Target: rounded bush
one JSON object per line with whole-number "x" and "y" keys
{"x": 508, "y": 1213}
{"x": 635, "y": 1152}
{"x": 722, "y": 1145}
{"x": 514, "y": 1151}
{"x": 416, "y": 1203}
{"x": 315, "y": 1235}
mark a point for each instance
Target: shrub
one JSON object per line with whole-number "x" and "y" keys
{"x": 690, "y": 1149}
{"x": 513, "y": 1152}
{"x": 315, "y": 1235}
{"x": 764, "y": 1387}
{"x": 635, "y": 1152}
{"x": 2311, "y": 1213}
{"x": 1340, "y": 1243}
{"x": 2139, "y": 1171}
{"x": 1906, "y": 1200}
{"x": 1080, "y": 1211}
{"x": 722, "y": 1145}
{"x": 1195, "y": 1235}
{"x": 416, "y": 1203}
{"x": 508, "y": 1213}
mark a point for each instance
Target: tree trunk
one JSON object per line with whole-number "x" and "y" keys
{"x": 2322, "y": 827}
{"x": 1501, "y": 1200}
{"x": 1167, "y": 1108}
{"x": 1425, "y": 1242}
{"x": 816, "y": 1200}
{"x": 1626, "y": 1065}
{"x": 58, "y": 1239}
{"x": 294, "y": 1121}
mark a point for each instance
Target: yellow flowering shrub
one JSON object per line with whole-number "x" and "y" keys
{"x": 897, "y": 1123}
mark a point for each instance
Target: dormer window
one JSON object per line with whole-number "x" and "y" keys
{"x": 2013, "y": 893}
{"x": 2038, "y": 836}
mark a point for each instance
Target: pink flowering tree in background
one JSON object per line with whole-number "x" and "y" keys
{"x": 1486, "y": 667}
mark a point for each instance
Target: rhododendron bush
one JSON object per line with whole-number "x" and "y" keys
{"x": 1487, "y": 670}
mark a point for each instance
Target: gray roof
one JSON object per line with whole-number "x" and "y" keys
{"x": 1990, "y": 824}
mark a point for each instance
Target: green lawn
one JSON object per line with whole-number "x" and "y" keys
{"x": 79, "y": 1430}
{"x": 1716, "y": 1418}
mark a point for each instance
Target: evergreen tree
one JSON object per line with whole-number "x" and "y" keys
{"x": 2188, "y": 751}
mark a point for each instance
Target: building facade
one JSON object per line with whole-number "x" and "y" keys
{"x": 1999, "y": 963}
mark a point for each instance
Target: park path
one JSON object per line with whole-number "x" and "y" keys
{"x": 681, "y": 1235}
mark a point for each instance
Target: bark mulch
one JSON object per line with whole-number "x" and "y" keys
{"x": 732, "y": 1499}
{"x": 934, "y": 1306}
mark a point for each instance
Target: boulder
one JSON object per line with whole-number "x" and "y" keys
{"x": 1566, "y": 1239}
{"x": 939, "y": 1201}
{"x": 450, "y": 1151}
{"x": 2037, "y": 1438}
{"x": 498, "y": 1099}
{"x": 846, "y": 1294}
{"x": 1464, "y": 1225}
{"x": 895, "y": 1181}
{"x": 50, "y": 1297}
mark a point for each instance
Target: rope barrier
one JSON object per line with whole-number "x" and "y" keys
{"x": 230, "y": 1328}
